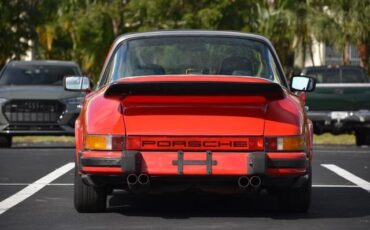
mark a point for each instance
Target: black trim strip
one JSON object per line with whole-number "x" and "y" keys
{"x": 131, "y": 161}
{"x": 287, "y": 163}
{"x": 101, "y": 162}
{"x": 256, "y": 163}
{"x": 180, "y": 157}
{"x": 269, "y": 90}
{"x": 209, "y": 162}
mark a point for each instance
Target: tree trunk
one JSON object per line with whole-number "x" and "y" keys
{"x": 346, "y": 57}
{"x": 311, "y": 53}
{"x": 116, "y": 24}
{"x": 363, "y": 53}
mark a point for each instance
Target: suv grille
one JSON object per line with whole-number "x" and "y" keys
{"x": 33, "y": 111}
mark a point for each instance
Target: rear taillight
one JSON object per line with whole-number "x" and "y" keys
{"x": 104, "y": 142}
{"x": 194, "y": 143}
{"x": 285, "y": 143}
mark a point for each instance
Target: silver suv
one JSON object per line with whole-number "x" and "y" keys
{"x": 33, "y": 100}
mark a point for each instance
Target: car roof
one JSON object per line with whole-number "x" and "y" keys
{"x": 191, "y": 33}
{"x": 43, "y": 62}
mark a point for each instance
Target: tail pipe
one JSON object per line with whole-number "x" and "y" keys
{"x": 132, "y": 181}
{"x": 143, "y": 179}
{"x": 243, "y": 182}
{"x": 255, "y": 181}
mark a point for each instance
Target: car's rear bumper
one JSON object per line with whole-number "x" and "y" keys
{"x": 339, "y": 121}
{"x": 193, "y": 163}
{"x": 213, "y": 184}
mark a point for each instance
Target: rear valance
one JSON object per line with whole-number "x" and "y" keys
{"x": 271, "y": 91}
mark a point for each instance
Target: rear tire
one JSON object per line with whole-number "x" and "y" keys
{"x": 5, "y": 141}
{"x": 362, "y": 137}
{"x": 296, "y": 199}
{"x": 88, "y": 199}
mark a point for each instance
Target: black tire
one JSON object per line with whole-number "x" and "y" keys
{"x": 362, "y": 137}
{"x": 296, "y": 199}
{"x": 88, "y": 199}
{"x": 5, "y": 141}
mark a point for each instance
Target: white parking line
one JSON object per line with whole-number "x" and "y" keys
{"x": 26, "y": 184}
{"x": 342, "y": 151}
{"x": 334, "y": 186}
{"x": 34, "y": 187}
{"x": 348, "y": 176}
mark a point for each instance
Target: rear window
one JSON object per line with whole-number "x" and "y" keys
{"x": 337, "y": 75}
{"x": 193, "y": 55}
{"x": 36, "y": 74}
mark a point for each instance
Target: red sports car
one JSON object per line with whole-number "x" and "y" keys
{"x": 184, "y": 110}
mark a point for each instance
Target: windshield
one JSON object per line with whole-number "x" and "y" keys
{"x": 193, "y": 55}
{"x": 337, "y": 75}
{"x": 36, "y": 74}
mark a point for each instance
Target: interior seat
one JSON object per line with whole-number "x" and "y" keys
{"x": 236, "y": 65}
{"x": 150, "y": 69}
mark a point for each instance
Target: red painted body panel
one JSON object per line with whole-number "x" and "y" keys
{"x": 195, "y": 120}
{"x": 216, "y": 116}
{"x": 103, "y": 116}
{"x": 161, "y": 163}
{"x": 102, "y": 170}
{"x": 284, "y": 117}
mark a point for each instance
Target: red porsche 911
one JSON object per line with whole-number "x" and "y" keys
{"x": 184, "y": 110}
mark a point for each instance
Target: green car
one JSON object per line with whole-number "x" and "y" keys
{"x": 341, "y": 101}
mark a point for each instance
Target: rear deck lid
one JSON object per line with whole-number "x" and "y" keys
{"x": 195, "y": 106}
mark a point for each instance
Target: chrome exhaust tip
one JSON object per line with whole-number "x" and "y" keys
{"x": 255, "y": 181}
{"x": 132, "y": 179}
{"x": 243, "y": 182}
{"x": 143, "y": 179}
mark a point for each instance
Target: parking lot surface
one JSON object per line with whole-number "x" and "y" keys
{"x": 36, "y": 192}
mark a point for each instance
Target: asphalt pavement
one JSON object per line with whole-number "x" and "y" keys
{"x": 36, "y": 192}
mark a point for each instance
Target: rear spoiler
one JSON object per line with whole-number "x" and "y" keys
{"x": 270, "y": 90}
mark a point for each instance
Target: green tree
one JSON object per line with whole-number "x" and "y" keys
{"x": 276, "y": 22}
{"x": 192, "y": 14}
{"x": 340, "y": 23}
{"x": 81, "y": 31}
{"x": 15, "y": 29}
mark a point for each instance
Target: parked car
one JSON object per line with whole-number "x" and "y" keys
{"x": 33, "y": 100}
{"x": 340, "y": 104}
{"x": 183, "y": 110}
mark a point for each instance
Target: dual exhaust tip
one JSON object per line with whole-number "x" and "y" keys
{"x": 141, "y": 179}
{"x": 244, "y": 182}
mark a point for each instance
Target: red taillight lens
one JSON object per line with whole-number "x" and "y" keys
{"x": 194, "y": 143}
{"x": 104, "y": 142}
{"x": 271, "y": 144}
{"x": 285, "y": 143}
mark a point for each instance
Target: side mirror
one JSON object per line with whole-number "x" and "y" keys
{"x": 302, "y": 83}
{"x": 77, "y": 83}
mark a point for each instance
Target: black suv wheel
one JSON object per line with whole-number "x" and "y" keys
{"x": 362, "y": 137}
{"x": 5, "y": 141}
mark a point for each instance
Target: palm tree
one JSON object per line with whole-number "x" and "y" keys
{"x": 341, "y": 23}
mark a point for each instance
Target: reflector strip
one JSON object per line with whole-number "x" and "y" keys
{"x": 195, "y": 143}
